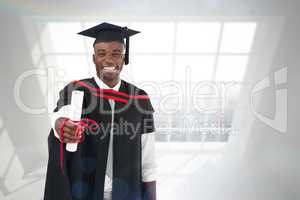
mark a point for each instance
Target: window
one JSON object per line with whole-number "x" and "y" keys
{"x": 166, "y": 59}
{"x": 191, "y": 70}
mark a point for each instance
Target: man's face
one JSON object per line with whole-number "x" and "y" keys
{"x": 109, "y": 59}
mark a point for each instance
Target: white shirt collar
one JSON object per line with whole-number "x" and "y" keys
{"x": 102, "y": 85}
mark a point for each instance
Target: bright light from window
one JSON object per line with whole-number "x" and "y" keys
{"x": 75, "y": 67}
{"x": 198, "y": 37}
{"x": 64, "y": 38}
{"x": 194, "y": 68}
{"x": 231, "y": 68}
{"x": 237, "y": 37}
{"x": 151, "y": 68}
{"x": 154, "y": 38}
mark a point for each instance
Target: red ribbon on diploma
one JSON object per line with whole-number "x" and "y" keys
{"x": 79, "y": 133}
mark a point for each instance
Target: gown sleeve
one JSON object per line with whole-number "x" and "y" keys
{"x": 149, "y": 165}
{"x": 57, "y": 185}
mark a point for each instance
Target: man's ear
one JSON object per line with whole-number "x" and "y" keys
{"x": 123, "y": 61}
{"x": 94, "y": 59}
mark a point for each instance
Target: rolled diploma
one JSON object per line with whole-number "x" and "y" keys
{"x": 75, "y": 114}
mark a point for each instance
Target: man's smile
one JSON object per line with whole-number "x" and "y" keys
{"x": 110, "y": 69}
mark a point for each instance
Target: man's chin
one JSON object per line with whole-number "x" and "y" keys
{"x": 110, "y": 77}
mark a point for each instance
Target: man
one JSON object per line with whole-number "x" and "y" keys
{"x": 115, "y": 154}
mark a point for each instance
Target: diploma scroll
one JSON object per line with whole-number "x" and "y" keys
{"x": 75, "y": 114}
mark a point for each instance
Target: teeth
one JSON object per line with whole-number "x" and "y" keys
{"x": 109, "y": 68}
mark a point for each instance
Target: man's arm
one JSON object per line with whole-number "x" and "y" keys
{"x": 61, "y": 113}
{"x": 149, "y": 166}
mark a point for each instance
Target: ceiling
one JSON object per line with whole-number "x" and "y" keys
{"x": 147, "y": 8}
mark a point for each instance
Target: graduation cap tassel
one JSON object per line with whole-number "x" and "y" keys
{"x": 126, "y": 46}
{"x": 127, "y": 51}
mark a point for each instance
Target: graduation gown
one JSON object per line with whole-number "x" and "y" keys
{"x": 83, "y": 172}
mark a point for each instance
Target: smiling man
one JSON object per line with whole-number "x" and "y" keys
{"x": 109, "y": 69}
{"x": 115, "y": 156}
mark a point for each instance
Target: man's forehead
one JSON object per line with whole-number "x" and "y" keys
{"x": 112, "y": 44}
{"x": 109, "y": 46}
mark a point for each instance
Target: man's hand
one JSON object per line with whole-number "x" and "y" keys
{"x": 69, "y": 130}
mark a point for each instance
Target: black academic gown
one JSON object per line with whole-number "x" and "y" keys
{"x": 82, "y": 174}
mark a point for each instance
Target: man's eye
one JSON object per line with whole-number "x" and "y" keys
{"x": 101, "y": 54}
{"x": 116, "y": 55}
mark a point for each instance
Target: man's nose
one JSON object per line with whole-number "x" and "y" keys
{"x": 108, "y": 61}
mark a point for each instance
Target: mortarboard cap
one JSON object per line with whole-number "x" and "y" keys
{"x": 106, "y": 32}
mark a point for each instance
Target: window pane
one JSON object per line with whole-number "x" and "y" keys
{"x": 151, "y": 68}
{"x": 74, "y": 67}
{"x": 237, "y": 37}
{"x": 231, "y": 68}
{"x": 198, "y": 37}
{"x": 64, "y": 38}
{"x": 154, "y": 37}
{"x": 194, "y": 68}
